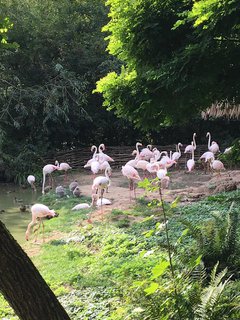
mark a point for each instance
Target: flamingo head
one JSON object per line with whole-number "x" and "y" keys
{"x": 208, "y": 133}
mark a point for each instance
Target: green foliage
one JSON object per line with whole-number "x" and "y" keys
{"x": 232, "y": 158}
{"x": 179, "y": 57}
{"x": 100, "y": 271}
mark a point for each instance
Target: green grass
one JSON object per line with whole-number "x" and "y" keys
{"x": 92, "y": 268}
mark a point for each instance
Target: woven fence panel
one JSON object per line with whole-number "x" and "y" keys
{"x": 77, "y": 158}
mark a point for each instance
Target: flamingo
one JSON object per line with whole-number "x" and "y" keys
{"x": 132, "y": 174}
{"x": 103, "y": 201}
{"x": 217, "y": 166}
{"x": 77, "y": 192}
{"x": 207, "y": 157}
{"x": 101, "y": 183}
{"x": 73, "y": 185}
{"x": 94, "y": 150}
{"x": 85, "y": 205}
{"x": 152, "y": 167}
{"x": 142, "y": 164}
{"x": 48, "y": 169}
{"x": 63, "y": 166}
{"x": 39, "y": 211}
{"x": 228, "y": 150}
{"x": 60, "y": 191}
{"x": 31, "y": 180}
{"x": 191, "y": 146}
{"x": 191, "y": 162}
{"x": 176, "y": 155}
{"x": 103, "y": 156}
{"x": 213, "y": 147}
{"x": 146, "y": 153}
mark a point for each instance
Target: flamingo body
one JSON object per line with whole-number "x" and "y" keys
{"x": 39, "y": 211}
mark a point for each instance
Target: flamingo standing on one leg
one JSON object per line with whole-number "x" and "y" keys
{"x": 132, "y": 174}
{"x": 39, "y": 211}
{"x": 48, "y": 169}
{"x": 31, "y": 180}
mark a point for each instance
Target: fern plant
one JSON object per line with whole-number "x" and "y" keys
{"x": 217, "y": 239}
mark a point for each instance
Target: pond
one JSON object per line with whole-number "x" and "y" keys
{"x": 12, "y": 198}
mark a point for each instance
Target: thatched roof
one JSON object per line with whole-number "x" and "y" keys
{"x": 222, "y": 109}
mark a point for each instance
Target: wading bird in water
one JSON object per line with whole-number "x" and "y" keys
{"x": 39, "y": 211}
{"x": 31, "y": 180}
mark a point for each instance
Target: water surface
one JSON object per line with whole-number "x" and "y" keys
{"x": 11, "y": 199}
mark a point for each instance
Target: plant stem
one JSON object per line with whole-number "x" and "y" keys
{"x": 170, "y": 254}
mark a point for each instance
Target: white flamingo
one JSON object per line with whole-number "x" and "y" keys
{"x": 213, "y": 147}
{"x": 191, "y": 162}
{"x": 191, "y": 146}
{"x": 176, "y": 155}
{"x": 48, "y": 170}
{"x": 103, "y": 156}
{"x": 102, "y": 183}
{"x": 31, "y": 180}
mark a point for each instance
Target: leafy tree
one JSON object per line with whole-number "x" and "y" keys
{"x": 178, "y": 58}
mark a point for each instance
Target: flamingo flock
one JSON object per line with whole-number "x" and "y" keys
{"x": 148, "y": 162}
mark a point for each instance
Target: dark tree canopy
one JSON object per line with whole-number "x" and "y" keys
{"x": 178, "y": 58}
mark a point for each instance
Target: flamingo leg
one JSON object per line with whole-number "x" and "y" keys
{"x": 102, "y": 192}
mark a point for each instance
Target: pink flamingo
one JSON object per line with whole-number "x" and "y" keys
{"x": 63, "y": 166}
{"x": 31, "y": 180}
{"x": 142, "y": 164}
{"x": 213, "y": 147}
{"x": 217, "y": 166}
{"x": 132, "y": 174}
{"x": 207, "y": 157}
{"x": 39, "y": 211}
{"x": 146, "y": 153}
{"x": 103, "y": 156}
{"x": 48, "y": 169}
{"x": 176, "y": 155}
{"x": 137, "y": 156}
{"x": 191, "y": 146}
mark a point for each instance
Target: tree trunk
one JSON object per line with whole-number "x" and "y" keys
{"x": 23, "y": 286}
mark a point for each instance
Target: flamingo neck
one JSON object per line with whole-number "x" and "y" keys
{"x": 179, "y": 148}
{"x": 194, "y": 142}
{"x": 209, "y": 140}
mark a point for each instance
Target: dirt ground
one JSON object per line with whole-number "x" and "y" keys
{"x": 190, "y": 186}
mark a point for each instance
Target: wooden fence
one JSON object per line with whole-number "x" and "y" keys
{"x": 77, "y": 158}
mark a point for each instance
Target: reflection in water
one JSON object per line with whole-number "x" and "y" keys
{"x": 11, "y": 198}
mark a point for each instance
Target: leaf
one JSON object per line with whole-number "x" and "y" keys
{"x": 159, "y": 269}
{"x": 152, "y": 288}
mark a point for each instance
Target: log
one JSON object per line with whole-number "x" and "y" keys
{"x": 22, "y": 285}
